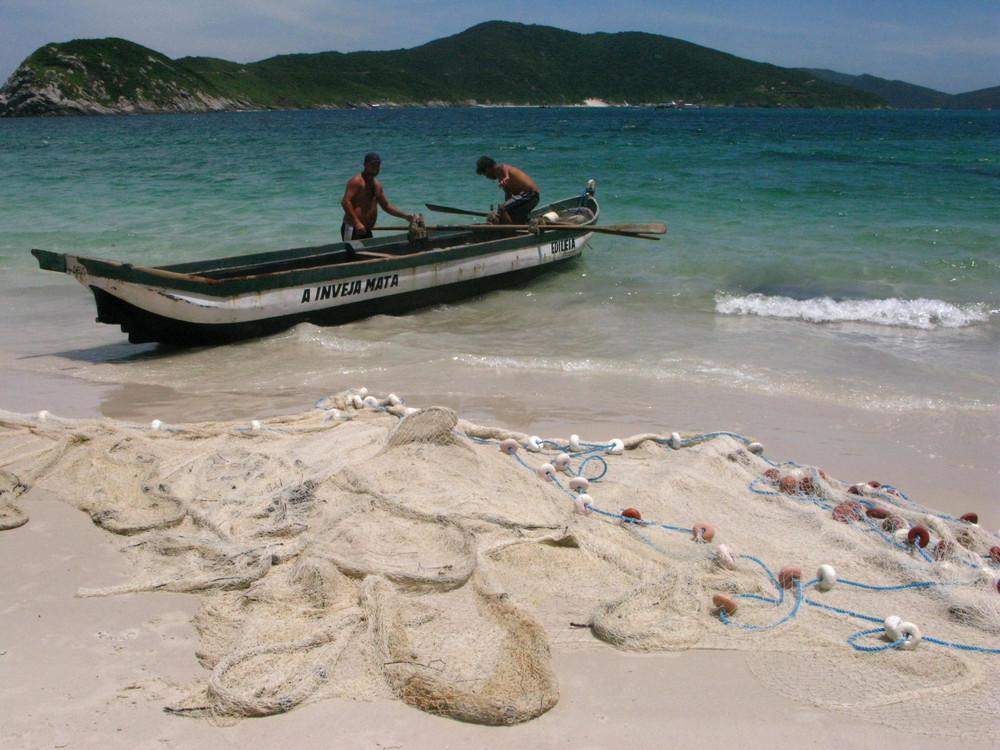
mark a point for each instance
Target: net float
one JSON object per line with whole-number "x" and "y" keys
{"x": 826, "y": 577}
{"x": 918, "y": 535}
{"x": 790, "y": 485}
{"x": 724, "y": 557}
{"x": 788, "y": 574}
{"x": 561, "y": 462}
{"x": 509, "y": 446}
{"x": 632, "y": 514}
{"x": 893, "y": 523}
{"x": 847, "y": 512}
{"x": 725, "y": 603}
{"x": 547, "y": 472}
{"x": 703, "y": 531}
{"x": 943, "y": 550}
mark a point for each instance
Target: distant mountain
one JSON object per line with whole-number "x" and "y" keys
{"x": 901, "y": 95}
{"x": 491, "y": 63}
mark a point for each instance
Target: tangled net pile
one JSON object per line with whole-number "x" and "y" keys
{"x": 364, "y": 549}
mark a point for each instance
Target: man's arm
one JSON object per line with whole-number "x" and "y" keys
{"x": 347, "y": 202}
{"x": 388, "y": 207}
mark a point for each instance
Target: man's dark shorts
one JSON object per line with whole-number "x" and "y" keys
{"x": 348, "y": 233}
{"x": 520, "y": 205}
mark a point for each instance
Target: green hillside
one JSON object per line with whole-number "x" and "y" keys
{"x": 902, "y": 95}
{"x": 105, "y": 75}
{"x": 509, "y": 63}
{"x": 492, "y": 63}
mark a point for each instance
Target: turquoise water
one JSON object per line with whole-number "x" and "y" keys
{"x": 852, "y": 258}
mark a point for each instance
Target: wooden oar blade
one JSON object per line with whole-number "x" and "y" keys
{"x": 645, "y": 228}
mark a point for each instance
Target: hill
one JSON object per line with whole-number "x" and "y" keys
{"x": 491, "y": 63}
{"x": 106, "y": 76}
{"x": 902, "y": 95}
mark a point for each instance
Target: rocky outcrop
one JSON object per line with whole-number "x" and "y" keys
{"x": 59, "y": 80}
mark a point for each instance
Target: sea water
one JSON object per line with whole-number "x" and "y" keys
{"x": 849, "y": 260}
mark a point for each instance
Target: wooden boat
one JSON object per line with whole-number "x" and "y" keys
{"x": 228, "y": 299}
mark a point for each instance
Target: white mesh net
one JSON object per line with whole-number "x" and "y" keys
{"x": 367, "y": 550}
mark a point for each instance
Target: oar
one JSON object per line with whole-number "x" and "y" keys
{"x": 622, "y": 229}
{"x": 642, "y": 231}
{"x": 449, "y": 210}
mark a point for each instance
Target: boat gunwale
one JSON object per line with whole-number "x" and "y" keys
{"x": 185, "y": 277}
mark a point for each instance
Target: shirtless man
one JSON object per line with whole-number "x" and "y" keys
{"x": 520, "y": 191}
{"x": 362, "y": 197}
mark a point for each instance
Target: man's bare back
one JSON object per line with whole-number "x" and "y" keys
{"x": 520, "y": 191}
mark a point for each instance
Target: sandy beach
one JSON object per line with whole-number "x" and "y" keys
{"x": 89, "y": 672}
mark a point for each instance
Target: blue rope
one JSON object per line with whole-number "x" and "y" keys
{"x": 869, "y": 525}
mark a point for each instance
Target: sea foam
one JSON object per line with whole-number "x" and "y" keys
{"x": 927, "y": 314}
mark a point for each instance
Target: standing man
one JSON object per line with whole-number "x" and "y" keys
{"x": 520, "y": 191}
{"x": 362, "y": 197}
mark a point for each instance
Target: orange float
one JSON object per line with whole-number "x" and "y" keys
{"x": 703, "y": 529}
{"x": 789, "y": 485}
{"x": 788, "y": 575}
{"x": 725, "y": 603}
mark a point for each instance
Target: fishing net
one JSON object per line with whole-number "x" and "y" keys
{"x": 367, "y": 550}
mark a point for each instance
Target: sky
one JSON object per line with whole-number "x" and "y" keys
{"x": 947, "y": 45}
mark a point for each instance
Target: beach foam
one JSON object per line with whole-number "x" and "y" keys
{"x": 926, "y": 314}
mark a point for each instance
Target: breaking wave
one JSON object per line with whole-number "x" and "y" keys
{"x": 927, "y": 314}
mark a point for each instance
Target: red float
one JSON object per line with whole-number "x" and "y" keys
{"x": 847, "y": 512}
{"x": 725, "y": 603}
{"x": 918, "y": 535}
{"x": 893, "y": 523}
{"x": 788, "y": 574}
{"x": 703, "y": 529}
{"x": 790, "y": 485}
{"x": 943, "y": 550}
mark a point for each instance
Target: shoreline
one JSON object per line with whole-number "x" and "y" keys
{"x": 943, "y": 461}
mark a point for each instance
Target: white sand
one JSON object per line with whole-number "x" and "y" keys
{"x": 97, "y": 672}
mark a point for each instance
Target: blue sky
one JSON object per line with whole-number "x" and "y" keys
{"x": 948, "y": 45}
